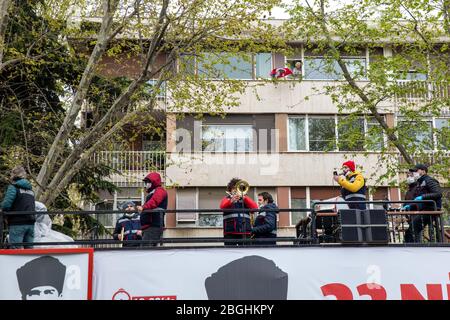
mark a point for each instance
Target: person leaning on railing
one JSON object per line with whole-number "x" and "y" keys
{"x": 353, "y": 186}
{"x": 428, "y": 188}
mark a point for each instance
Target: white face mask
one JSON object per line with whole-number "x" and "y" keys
{"x": 416, "y": 175}
{"x": 410, "y": 180}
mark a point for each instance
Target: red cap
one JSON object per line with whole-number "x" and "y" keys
{"x": 349, "y": 164}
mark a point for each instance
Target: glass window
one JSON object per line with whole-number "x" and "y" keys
{"x": 298, "y": 204}
{"x": 325, "y": 69}
{"x": 149, "y": 87}
{"x": 443, "y": 133}
{"x": 225, "y": 65}
{"x": 322, "y": 134}
{"x": 227, "y": 138}
{"x": 297, "y": 138}
{"x": 415, "y": 75}
{"x": 351, "y": 134}
{"x": 374, "y": 135}
{"x": 209, "y": 198}
{"x": 416, "y": 134}
{"x": 263, "y": 65}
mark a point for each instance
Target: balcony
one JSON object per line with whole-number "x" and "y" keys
{"x": 421, "y": 92}
{"x": 132, "y": 166}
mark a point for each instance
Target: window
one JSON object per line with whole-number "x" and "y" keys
{"x": 443, "y": 133}
{"x": 319, "y": 133}
{"x": 297, "y": 203}
{"x": 263, "y": 63}
{"x": 150, "y": 85}
{"x": 295, "y": 63}
{"x": 319, "y": 68}
{"x": 209, "y": 198}
{"x": 297, "y": 133}
{"x": 322, "y": 134}
{"x": 222, "y": 65}
{"x": 228, "y": 65}
{"x": 351, "y": 134}
{"x": 374, "y": 135}
{"x": 227, "y": 138}
{"x": 416, "y": 134}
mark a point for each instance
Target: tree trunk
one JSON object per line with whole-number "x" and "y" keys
{"x": 58, "y": 144}
{"x": 4, "y": 7}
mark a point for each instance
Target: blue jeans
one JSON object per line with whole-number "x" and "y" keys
{"x": 21, "y": 233}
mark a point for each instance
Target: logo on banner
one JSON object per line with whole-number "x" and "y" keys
{"x": 122, "y": 294}
{"x": 41, "y": 279}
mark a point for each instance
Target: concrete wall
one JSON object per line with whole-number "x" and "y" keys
{"x": 290, "y": 97}
{"x": 277, "y": 169}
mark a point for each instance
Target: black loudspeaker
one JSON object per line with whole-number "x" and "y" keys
{"x": 369, "y": 226}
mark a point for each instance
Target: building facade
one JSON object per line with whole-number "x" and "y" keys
{"x": 283, "y": 137}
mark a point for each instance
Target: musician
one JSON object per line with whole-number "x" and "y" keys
{"x": 236, "y": 224}
{"x": 353, "y": 185}
{"x": 128, "y": 225}
{"x": 265, "y": 225}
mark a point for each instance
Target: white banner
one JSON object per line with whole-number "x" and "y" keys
{"x": 46, "y": 274}
{"x": 377, "y": 273}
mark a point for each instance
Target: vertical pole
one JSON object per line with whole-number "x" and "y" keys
{"x": 1, "y": 228}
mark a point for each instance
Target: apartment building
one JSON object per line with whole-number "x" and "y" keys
{"x": 283, "y": 137}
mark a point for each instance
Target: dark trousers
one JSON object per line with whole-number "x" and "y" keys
{"x": 152, "y": 233}
{"x": 236, "y": 236}
{"x": 416, "y": 225}
{"x": 360, "y": 206}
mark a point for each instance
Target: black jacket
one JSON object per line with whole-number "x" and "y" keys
{"x": 430, "y": 189}
{"x": 265, "y": 225}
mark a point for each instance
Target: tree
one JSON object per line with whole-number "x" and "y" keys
{"x": 146, "y": 30}
{"x": 417, "y": 35}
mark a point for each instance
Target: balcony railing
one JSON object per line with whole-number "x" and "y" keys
{"x": 422, "y": 92}
{"x": 132, "y": 166}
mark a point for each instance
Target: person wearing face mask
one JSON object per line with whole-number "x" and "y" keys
{"x": 152, "y": 213}
{"x": 353, "y": 186}
{"x": 428, "y": 188}
{"x": 130, "y": 224}
{"x": 411, "y": 180}
{"x": 265, "y": 225}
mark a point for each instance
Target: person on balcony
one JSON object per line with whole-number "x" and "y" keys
{"x": 152, "y": 213}
{"x": 265, "y": 225}
{"x": 428, "y": 189}
{"x": 353, "y": 186}
{"x": 236, "y": 224}
{"x": 128, "y": 226}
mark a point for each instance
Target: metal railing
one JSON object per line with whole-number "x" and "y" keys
{"x": 320, "y": 227}
{"x": 422, "y": 92}
{"x": 132, "y": 166}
